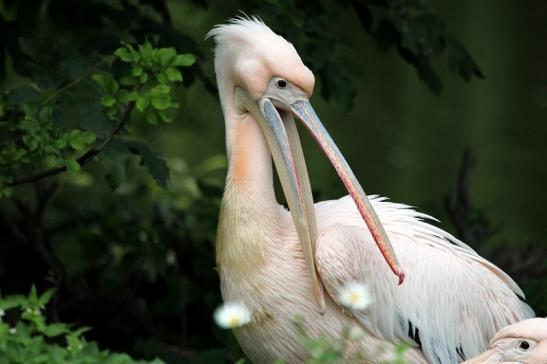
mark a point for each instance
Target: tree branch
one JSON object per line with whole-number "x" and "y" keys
{"x": 86, "y": 157}
{"x": 471, "y": 223}
{"x": 68, "y": 86}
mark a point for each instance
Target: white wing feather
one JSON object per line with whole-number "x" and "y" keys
{"x": 452, "y": 301}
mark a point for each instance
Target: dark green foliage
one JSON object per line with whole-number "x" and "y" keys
{"x": 419, "y": 36}
{"x": 27, "y": 338}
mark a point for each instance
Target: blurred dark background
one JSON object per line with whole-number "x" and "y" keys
{"x": 438, "y": 104}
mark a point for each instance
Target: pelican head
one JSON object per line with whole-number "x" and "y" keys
{"x": 260, "y": 74}
{"x": 524, "y": 342}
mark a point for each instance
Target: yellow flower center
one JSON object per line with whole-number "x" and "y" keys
{"x": 354, "y": 297}
{"x": 234, "y": 320}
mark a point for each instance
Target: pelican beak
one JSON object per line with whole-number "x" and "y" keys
{"x": 304, "y": 111}
{"x": 284, "y": 144}
{"x": 281, "y": 135}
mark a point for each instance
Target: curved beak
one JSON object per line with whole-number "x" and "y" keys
{"x": 281, "y": 135}
{"x": 304, "y": 111}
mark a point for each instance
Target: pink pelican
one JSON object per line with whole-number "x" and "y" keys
{"x": 281, "y": 263}
{"x": 524, "y": 342}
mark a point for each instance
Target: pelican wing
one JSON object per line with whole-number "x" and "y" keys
{"x": 452, "y": 301}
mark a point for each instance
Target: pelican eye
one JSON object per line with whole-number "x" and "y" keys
{"x": 524, "y": 345}
{"x": 281, "y": 83}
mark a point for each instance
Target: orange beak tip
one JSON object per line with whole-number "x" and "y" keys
{"x": 401, "y": 276}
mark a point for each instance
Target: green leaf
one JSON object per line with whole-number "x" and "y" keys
{"x": 45, "y": 113}
{"x": 152, "y": 118}
{"x": 160, "y": 97}
{"x": 33, "y": 295}
{"x": 136, "y": 71}
{"x": 154, "y": 162}
{"x": 112, "y": 113}
{"x": 124, "y": 54}
{"x": 161, "y": 101}
{"x": 31, "y": 142}
{"x": 54, "y": 161}
{"x": 88, "y": 137}
{"x": 61, "y": 143}
{"x": 108, "y": 101}
{"x": 166, "y": 116}
{"x": 127, "y": 53}
{"x": 80, "y": 331}
{"x": 106, "y": 82}
{"x": 46, "y": 296}
{"x": 184, "y": 60}
{"x": 162, "y": 78}
{"x": 166, "y": 56}
{"x": 100, "y": 79}
{"x": 76, "y": 140}
{"x": 459, "y": 60}
{"x": 142, "y": 103}
{"x": 55, "y": 330}
{"x": 12, "y": 301}
{"x": 128, "y": 81}
{"x": 115, "y": 160}
{"x": 93, "y": 118}
{"x": 145, "y": 51}
{"x": 127, "y": 97}
{"x": 72, "y": 166}
{"x": 161, "y": 89}
{"x": 173, "y": 74}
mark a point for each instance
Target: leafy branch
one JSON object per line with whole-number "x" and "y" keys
{"x": 471, "y": 223}
{"x": 419, "y": 36}
{"x": 144, "y": 86}
{"x": 68, "y": 86}
{"x": 85, "y": 158}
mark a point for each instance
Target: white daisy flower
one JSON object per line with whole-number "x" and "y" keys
{"x": 355, "y": 296}
{"x": 13, "y": 330}
{"x": 231, "y": 315}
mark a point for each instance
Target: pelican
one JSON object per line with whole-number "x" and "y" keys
{"x": 524, "y": 342}
{"x": 283, "y": 263}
